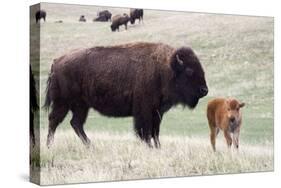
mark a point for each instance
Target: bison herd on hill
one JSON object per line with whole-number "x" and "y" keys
{"x": 104, "y": 16}
{"x": 140, "y": 80}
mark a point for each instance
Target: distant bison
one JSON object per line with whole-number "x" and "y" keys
{"x": 40, "y": 14}
{"x": 143, "y": 80}
{"x": 136, "y": 14}
{"x": 118, "y": 20}
{"x": 59, "y": 21}
{"x": 33, "y": 106}
{"x": 82, "y": 18}
{"x": 103, "y": 16}
{"x": 224, "y": 114}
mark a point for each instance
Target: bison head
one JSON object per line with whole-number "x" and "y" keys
{"x": 113, "y": 27}
{"x": 189, "y": 77}
{"x": 132, "y": 20}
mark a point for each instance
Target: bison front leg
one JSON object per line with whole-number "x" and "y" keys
{"x": 157, "y": 117}
{"x": 143, "y": 123}
{"x": 143, "y": 128}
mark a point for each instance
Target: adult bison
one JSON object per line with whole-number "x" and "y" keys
{"x": 118, "y": 20}
{"x": 33, "y": 106}
{"x": 103, "y": 16}
{"x": 40, "y": 14}
{"x": 136, "y": 14}
{"x": 143, "y": 80}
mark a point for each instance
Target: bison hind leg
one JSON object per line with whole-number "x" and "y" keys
{"x": 56, "y": 116}
{"x": 80, "y": 114}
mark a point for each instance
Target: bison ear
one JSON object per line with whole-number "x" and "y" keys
{"x": 179, "y": 61}
{"x": 177, "y": 64}
{"x": 241, "y": 104}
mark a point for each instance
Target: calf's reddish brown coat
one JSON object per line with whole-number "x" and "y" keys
{"x": 225, "y": 115}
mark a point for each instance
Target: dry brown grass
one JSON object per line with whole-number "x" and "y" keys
{"x": 115, "y": 156}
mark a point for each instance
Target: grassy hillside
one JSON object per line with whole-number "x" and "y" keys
{"x": 235, "y": 51}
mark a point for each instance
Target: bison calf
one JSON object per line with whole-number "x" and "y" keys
{"x": 224, "y": 114}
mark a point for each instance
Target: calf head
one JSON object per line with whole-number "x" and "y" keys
{"x": 233, "y": 113}
{"x": 189, "y": 77}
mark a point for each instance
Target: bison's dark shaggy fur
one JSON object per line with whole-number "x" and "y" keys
{"x": 103, "y": 16}
{"x": 33, "y": 105}
{"x": 118, "y": 20}
{"x": 143, "y": 80}
{"x": 136, "y": 14}
{"x": 40, "y": 14}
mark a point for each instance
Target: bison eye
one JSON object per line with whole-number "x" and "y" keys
{"x": 228, "y": 109}
{"x": 189, "y": 71}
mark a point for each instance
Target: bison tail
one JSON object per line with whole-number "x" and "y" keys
{"x": 49, "y": 93}
{"x": 48, "y": 100}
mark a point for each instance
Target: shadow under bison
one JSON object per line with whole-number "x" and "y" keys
{"x": 143, "y": 80}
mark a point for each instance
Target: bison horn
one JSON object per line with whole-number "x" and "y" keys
{"x": 179, "y": 60}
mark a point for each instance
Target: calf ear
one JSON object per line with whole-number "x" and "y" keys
{"x": 241, "y": 104}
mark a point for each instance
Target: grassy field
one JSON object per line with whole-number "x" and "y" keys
{"x": 237, "y": 55}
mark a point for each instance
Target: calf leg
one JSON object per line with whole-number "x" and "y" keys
{"x": 80, "y": 114}
{"x": 56, "y": 116}
{"x": 227, "y": 138}
{"x": 236, "y": 139}
{"x": 213, "y": 135}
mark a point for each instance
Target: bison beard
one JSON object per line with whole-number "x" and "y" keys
{"x": 143, "y": 80}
